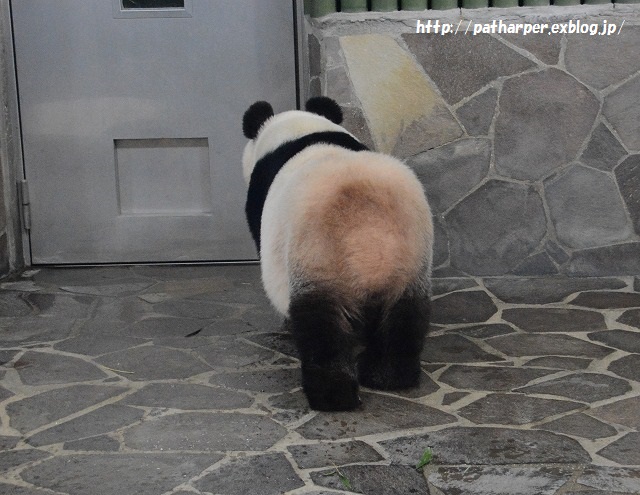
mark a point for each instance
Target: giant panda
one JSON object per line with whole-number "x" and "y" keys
{"x": 345, "y": 240}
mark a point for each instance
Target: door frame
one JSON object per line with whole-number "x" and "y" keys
{"x": 14, "y": 167}
{"x": 11, "y": 162}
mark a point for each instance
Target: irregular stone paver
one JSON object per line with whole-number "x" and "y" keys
{"x": 76, "y": 306}
{"x": 15, "y": 458}
{"x": 270, "y": 381}
{"x": 80, "y": 276}
{"x": 586, "y": 208}
{"x": 580, "y": 425}
{"x": 611, "y": 478}
{"x": 281, "y": 342}
{"x": 545, "y": 48}
{"x": 454, "y": 349}
{"x": 554, "y": 319}
{"x": 607, "y": 300}
{"x": 101, "y": 443}
{"x": 476, "y": 114}
{"x": 39, "y": 368}
{"x": 33, "y": 412}
{"x": 117, "y": 287}
{"x": 547, "y": 344}
{"x": 537, "y": 264}
{"x": 495, "y": 227}
{"x": 354, "y": 120}
{"x": 392, "y": 480}
{"x": 6, "y": 356}
{"x": 619, "y": 259}
{"x": 328, "y": 454}
{"x": 449, "y": 172}
{"x": 622, "y": 412}
{"x": 585, "y": 387}
{"x": 289, "y": 407}
{"x": 558, "y": 254}
{"x": 20, "y": 490}
{"x": 624, "y": 451}
{"x": 32, "y": 330}
{"x": 12, "y": 304}
{"x": 453, "y": 397}
{"x": 628, "y": 177}
{"x": 187, "y": 396}
{"x": 464, "y": 445}
{"x": 165, "y": 327}
{"x": 440, "y": 242}
{"x": 604, "y": 151}
{"x": 448, "y": 309}
{"x": 516, "y": 409}
{"x": 123, "y": 309}
{"x": 543, "y": 290}
{"x": 500, "y": 480}
{"x": 559, "y": 363}
{"x": 103, "y": 420}
{"x": 583, "y": 52}
{"x": 472, "y": 62}
{"x": 232, "y": 354}
{"x": 8, "y": 443}
{"x": 625, "y": 340}
{"x": 205, "y": 432}
{"x": 141, "y": 363}
{"x": 142, "y": 474}
{"x": 4, "y": 393}
{"x": 631, "y": 317}
{"x": 195, "y": 309}
{"x": 528, "y": 108}
{"x": 93, "y": 344}
{"x": 378, "y": 414}
{"x": 272, "y": 473}
{"x": 485, "y": 331}
{"x": 441, "y": 286}
{"x": 490, "y": 378}
{"x": 623, "y": 112}
{"x": 627, "y": 367}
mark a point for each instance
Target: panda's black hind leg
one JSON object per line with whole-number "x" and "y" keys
{"x": 391, "y": 360}
{"x": 327, "y": 344}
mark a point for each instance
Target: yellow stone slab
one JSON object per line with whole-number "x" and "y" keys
{"x": 395, "y": 95}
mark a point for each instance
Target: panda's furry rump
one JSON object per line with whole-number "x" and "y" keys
{"x": 352, "y": 224}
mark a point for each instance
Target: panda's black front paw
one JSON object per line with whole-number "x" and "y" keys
{"x": 330, "y": 389}
{"x": 389, "y": 374}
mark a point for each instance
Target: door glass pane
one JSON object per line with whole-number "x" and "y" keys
{"x": 152, "y": 4}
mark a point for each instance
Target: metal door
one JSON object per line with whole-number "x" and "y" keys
{"x": 131, "y": 122}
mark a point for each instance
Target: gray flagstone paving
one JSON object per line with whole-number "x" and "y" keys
{"x": 181, "y": 380}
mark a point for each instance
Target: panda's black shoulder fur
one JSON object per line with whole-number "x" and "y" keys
{"x": 268, "y": 166}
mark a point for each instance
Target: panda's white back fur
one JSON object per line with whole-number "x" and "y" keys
{"x": 354, "y": 223}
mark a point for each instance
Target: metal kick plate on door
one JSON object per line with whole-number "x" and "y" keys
{"x": 150, "y": 183}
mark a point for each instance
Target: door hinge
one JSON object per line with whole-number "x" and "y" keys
{"x": 25, "y": 203}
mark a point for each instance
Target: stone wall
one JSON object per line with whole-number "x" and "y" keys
{"x": 528, "y": 146}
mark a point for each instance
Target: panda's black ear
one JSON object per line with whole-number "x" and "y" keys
{"x": 325, "y": 106}
{"x": 256, "y": 115}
